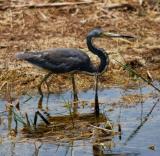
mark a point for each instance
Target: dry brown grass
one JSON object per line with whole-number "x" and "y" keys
{"x": 36, "y": 29}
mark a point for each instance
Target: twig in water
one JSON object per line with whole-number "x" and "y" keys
{"x": 103, "y": 129}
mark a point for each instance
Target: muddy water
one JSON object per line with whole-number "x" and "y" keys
{"x": 137, "y": 117}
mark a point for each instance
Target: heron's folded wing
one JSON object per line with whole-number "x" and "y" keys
{"x": 57, "y": 60}
{"x": 67, "y": 62}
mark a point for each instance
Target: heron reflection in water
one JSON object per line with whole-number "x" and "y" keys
{"x": 70, "y": 60}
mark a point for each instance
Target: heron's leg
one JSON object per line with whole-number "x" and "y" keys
{"x": 96, "y": 109}
{"x": 47, "y": 85}
{"x": 43, "y": 80}
{"x": 75, "y": 96}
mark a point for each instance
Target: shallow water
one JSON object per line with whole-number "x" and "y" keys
{"x": 139, "y": 123}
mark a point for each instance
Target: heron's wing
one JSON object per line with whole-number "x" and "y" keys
{"x": 58, "y": 60}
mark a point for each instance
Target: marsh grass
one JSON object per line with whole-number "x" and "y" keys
{"x": 39, "y": 29}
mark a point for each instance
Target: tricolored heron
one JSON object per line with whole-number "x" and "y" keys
{"x": 69, "y": 60}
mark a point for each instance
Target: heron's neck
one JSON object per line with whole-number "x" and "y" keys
{"x": 104, "y": 60}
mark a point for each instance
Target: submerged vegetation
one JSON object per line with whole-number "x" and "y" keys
{"x": 128, "y": 91}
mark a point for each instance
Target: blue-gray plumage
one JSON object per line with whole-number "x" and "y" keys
{"x": 59, "y": 60}
{"x": 64, "y": 60}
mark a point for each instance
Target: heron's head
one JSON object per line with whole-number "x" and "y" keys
{"x": 98, "y": 32}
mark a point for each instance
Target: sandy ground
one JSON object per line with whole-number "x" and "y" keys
{"x": 37, "y": 29}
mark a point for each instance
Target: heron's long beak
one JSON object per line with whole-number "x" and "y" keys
{"x": 123, "y": 37}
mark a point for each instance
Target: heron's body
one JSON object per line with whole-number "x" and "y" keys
{"x": 64, "y": 60}
{"x": 59, "y": 60}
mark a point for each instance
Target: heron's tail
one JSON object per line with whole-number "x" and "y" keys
{"x": 23, "y": 55}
